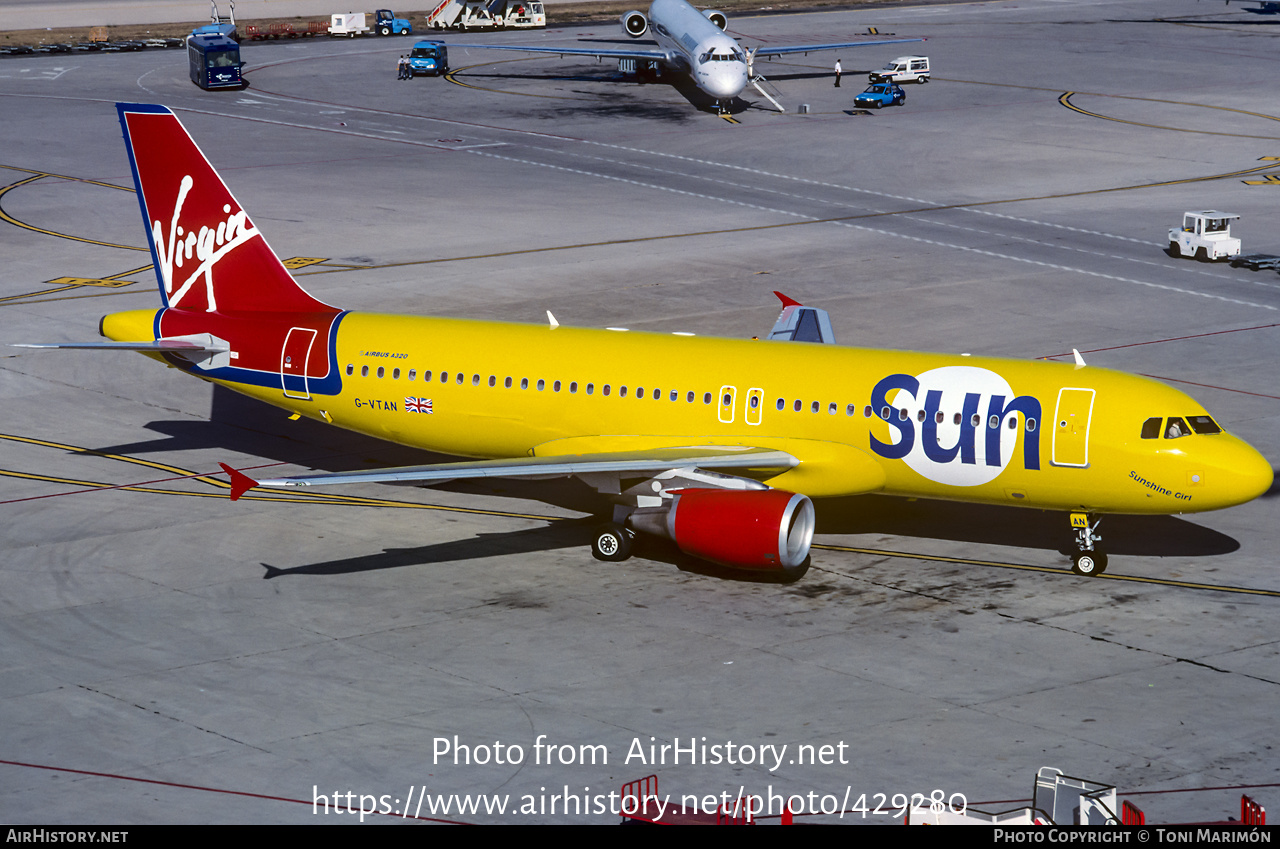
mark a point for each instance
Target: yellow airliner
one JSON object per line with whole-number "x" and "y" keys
{"x": 718, "y": 444}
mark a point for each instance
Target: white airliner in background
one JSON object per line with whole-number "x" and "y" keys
{"x": 694, "y": 43}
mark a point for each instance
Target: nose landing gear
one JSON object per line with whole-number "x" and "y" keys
{"x": 1089, "y": 560}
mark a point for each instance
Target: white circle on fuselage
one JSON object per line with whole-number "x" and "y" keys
{"x": 956, "y": 383}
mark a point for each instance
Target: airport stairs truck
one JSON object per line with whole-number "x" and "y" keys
{"x": 487, "y": 14}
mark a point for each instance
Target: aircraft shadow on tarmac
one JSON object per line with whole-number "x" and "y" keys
{"x": 609, "y": 102}
{"x": 238, "y": 424}
{"x": 566, "y": 534}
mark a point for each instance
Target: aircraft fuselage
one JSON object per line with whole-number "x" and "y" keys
{"x": 1026, "y": 433}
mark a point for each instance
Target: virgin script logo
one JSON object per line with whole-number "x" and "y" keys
{"x": 206, "y": 246}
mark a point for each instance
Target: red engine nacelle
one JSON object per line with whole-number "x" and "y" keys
{"x": 745, "y": 529}
{"x": 635, "y": 24}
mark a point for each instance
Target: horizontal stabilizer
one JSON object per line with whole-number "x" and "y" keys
{"x": 640, "y": 463}
{"x": 159, "y": 346}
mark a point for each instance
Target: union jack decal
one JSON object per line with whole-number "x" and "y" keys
{"x": 417, "y": 405}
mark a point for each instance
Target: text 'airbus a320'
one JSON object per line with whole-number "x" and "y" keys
{"x": 717, "y": 444}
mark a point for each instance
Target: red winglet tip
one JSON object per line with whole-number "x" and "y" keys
{"x": 240, "y": 482}
{"x": 787, "y": 302}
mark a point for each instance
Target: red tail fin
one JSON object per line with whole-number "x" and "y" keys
{"x": 209, "y": 257}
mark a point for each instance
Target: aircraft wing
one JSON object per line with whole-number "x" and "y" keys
{"x": 752, "y": 462}
{"x": 764, "y": 50}
{"x": 652, "y": 53}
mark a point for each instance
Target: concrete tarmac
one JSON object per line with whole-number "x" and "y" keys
{"x": 169, "y": 656}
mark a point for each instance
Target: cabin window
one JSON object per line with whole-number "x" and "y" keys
{"x": 938, "y": 417}
{"x": 706, "y": 398}
{"x": 797, "y": 405}
{"x": 1012, "y": 423}
{"x": 1176, "y": 428}
{"x": 993, "y": 422}
{"x": 903, "y": 415}
{"x": 726, "y": 400}
{"x": 675, "y": 396}
{"x": 542, "y": 384}
{"x": 475, "y": 380}
{"x": 381, "y": 372}
{"x": 755, "y": 401}
{"x": 920, "y": 416}
{"x": 458, "y": 379}
{"x": 444, "y": 377}
{"x": 956, "y": 419}
{"x": 976, "y": 420}
{"x": 426, "y": 377}
{"x": 1031, "y": 425}
{"x": 781, "y": 403}
{"x": 493, "y": 380}
{"x": 507, "y": 383}
{"x": 350, "y": 369}
{"x": 604, "y": 390}
{"x": 591, "y": 388}
{"x": 413, "y": 374}
{"x": 884, "y": 413}
{"x": 867, "y": 411}
{"x": 524, "y": 383}
{"x": 850, "y": 410}
{"x": 395, "y": 374}
{"x": 573, "y": 388}
{"x": 556, "y": 386}
{"x": 639, "y": 391}
{"x": 689, "y": 399}
{"x": 622, "y": 392}
{"x": 364, "y": 371}
{"x": 831, "y": 408}
{"x": 1203, "y": 424}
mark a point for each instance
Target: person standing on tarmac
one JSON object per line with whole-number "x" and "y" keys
{"x": 402, "y": 68}
{"x": 839, "y": 70}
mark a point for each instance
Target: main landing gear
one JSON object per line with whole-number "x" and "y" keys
{"x": 612, "y": 543}
{"x": 1089, "y": 560}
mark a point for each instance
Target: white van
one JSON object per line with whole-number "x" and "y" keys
{"x": 904, "y": 69}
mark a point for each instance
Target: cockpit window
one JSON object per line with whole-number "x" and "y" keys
{"x": 1204, "y": 424}
{"x": 727, "y": 56}
{"x": 1151, "y": 428}
{"x": 1176, "y": 428}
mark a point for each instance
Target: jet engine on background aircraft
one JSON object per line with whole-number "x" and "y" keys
{"x": 635, "y": 24}
{"x": 717, "y": 18}
{"x": 743, "y": 529}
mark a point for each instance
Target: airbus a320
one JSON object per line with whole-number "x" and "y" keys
{"x": 717, "y": 444}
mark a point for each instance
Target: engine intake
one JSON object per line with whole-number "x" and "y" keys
{"x": 717, "y": 18}
{"x": 635, "y": 24}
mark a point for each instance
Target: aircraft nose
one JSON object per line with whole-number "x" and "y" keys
{"x": 1243, "y": 472}
{"x": 728, "y": 82}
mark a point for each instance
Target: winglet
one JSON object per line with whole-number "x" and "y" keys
{"x": 240, "y": 482}
{"x": 787, "y": 302}
{"x": 1079, "y": 359}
